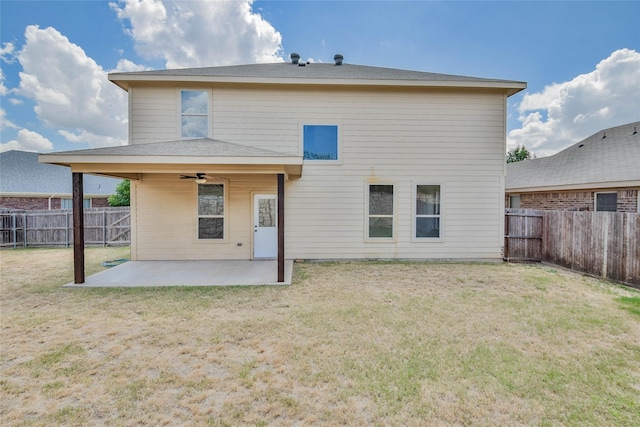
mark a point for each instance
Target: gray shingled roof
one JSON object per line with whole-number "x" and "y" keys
{"x": 287, "y": 70}
{"x": 317, "y": 74}
{"x": 592, "y": 161}
{"x": 20, "y": 173}
{"x": 203, "y": 147}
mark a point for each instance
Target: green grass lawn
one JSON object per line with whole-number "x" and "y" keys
{"x": 346, "y": 343}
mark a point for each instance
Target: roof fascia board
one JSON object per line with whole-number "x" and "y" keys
{"x": 584, "y": 187}
{"x": 141, "y": 168}
{"x": 510, "y": 87}
{"x": 68, "y": 160}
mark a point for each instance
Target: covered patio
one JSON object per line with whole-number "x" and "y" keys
{"x": 174, "y": 161}
{"x": 189, "y": 273}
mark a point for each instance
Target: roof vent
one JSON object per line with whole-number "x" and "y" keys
{"x": 634, "y": 131}
{"x": 295, "y": 58}
{"x": 338, "y": 59}
{"x": 604, "y": 135}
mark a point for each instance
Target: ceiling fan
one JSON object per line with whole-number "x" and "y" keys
{"x": 200, "y": 177}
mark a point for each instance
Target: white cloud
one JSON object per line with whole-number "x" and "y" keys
{"x": 28, "y": 141}
{"x": 200, "y": 33}
{"x": 3, "y": 89}
{"x": 71, "y": 90}
{"x": 126, "y": 66}
{"x": 6, "y": 52}
{"x": 4, "y": 123}
{"x": 564, "y": 113}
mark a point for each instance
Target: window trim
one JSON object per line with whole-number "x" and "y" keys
{"x": 224, "y": 216}
{"x": 595, "y": 200}
{"x": 84, "y": 203}
{"x": 394, "y": 216}
{"x": 414, "y": 215}
{"x": 338, "y": 125}
{"x": 511, "y": 197}
{"x": 180, "y": 115}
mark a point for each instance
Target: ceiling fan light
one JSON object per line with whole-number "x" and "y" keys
{"x": 201, "y": 181}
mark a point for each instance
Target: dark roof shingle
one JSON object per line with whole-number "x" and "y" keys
{"x": 588, "y": 162}
{"x": 20, "y": 173}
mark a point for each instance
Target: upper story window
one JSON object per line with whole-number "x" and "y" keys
{"x": 607, "y": 202}
{"x": 194, "y": 113}
{"x": 320, "y": 142}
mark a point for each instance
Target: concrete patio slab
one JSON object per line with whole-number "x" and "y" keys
{"x": 189, "y": 273}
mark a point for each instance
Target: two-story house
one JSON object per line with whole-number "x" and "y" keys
{"x": 370, "y": 163}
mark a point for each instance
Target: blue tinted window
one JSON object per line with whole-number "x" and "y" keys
{"x": 194, "y": 113}
{"x": 320, "y": 142}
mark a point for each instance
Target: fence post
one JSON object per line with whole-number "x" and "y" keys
{"x": 66, "y": 229}
{"x": 573, "y": 240}
{"x": 104, "y": 228}
{"x": 24, "y": 230}
{"x": 506, "y": 237}
{"x": 605, "y": 252}
{"x": 13, "y": 230}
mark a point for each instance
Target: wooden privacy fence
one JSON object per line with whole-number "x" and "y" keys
{"x": 605, "y": 244}
{"x": 523, "y": 235}
{"x": 102, "y": 227}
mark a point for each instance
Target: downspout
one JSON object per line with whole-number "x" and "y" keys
{"x": 50, "y": 197}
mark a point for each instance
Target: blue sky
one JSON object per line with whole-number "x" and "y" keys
{"x": 581, "y": 60}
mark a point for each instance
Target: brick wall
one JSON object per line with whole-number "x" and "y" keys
{"x": 628, "y": 200}
{"x": 26, "y": 203}
{"x": 576, "y": 200}
{"x": 99, "y": 203}
{"x": 42, "y": 203}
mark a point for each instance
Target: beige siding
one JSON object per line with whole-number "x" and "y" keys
{"x": 155, "y": 114}
{"x": 167, "y": 217}
{"x": 452, "y": 138}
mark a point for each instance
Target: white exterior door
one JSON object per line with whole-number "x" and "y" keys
{"x": 265, "y": 226}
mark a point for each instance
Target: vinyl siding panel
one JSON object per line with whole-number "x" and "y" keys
{"x": 454, "y": 138}
{"x": 155, "y": 114}
{"x": 166, "y": 218}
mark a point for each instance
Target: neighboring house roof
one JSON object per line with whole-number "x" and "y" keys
{"x": 315, "y": 73}
{"x": 21, "y": 174}
{"x": 607, "y": 159}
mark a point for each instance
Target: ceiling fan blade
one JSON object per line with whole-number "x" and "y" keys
{"x": 188, "y": 177}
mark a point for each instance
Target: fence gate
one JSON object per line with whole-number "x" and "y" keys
{"x": 523, "y": 235}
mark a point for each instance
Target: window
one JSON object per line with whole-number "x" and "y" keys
{"x": 380, "y": 212}
{"x": 68, "y": 203}
{"x": 320, "y": 142}
{"x": 607, "y": 202}
{"x": 427, "y": 212}
{"x": 211, "y": 211}
{"x": 514, "y": 201}
{"x": 194, "y": 113}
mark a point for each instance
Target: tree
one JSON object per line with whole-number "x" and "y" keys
{"x": 122, "y": 196}
{"x": 518, "y": 154}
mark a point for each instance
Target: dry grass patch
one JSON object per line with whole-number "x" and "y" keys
{"x": 347, "y": 343}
